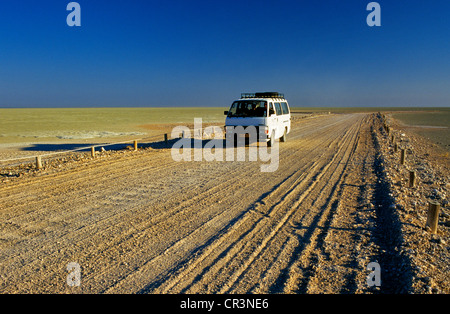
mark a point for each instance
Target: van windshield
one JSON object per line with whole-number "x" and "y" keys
{"x": 248, "y": 108}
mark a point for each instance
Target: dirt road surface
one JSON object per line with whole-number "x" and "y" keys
{"x": 140, "y": 222}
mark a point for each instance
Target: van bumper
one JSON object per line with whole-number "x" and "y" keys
{"x": 247, "y": 132}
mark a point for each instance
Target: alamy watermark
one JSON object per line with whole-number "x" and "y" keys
{"x": 374, "y": 278}
{"x": 74, "y": 276}
{"x": 374, "y": 17}
{"x": 211, "y": 144}
{"x": 74, "y": 17}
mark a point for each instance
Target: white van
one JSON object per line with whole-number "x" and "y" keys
{"x": 267, "y": 112}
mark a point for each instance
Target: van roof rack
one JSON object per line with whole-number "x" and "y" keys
{"x": 262, "y": 95}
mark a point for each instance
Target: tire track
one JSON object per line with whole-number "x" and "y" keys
{"x": 306, "y": 256}
{"x": 252, "y": 229}
{"x": 312, "y": 189}
{"x": 183, "y": 240}
{"x": 282, "y": 223}
{"x": 214, "y": 219}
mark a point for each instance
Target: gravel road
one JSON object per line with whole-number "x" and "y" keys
{"x": 140, "y": 222}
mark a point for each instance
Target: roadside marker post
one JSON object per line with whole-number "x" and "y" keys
{"x": 433, "y": 217}
{"x": 38, "y": 162}
{"x": 402, "y": 156}
{"x": 412, "y": 178}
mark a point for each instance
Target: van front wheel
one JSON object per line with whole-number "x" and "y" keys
{"x": 283, "y": 138}
{"x": 271, "y": 140}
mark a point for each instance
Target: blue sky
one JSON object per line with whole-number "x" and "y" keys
{"x": 205, "y": 53}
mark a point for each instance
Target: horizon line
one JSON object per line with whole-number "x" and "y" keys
{"x": 174, "y": 107}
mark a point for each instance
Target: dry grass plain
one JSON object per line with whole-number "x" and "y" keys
{"x": 139, "y": 222}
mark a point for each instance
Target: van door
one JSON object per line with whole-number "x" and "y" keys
{"x": 286, "y": 117}
{"x": 272, "y": 120}
{"x": 279, "y": 123}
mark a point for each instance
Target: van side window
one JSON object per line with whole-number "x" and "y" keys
{"x": 271, "y": 108}
{"x": 285, "y": 108}
{"x": 278, "y": 109}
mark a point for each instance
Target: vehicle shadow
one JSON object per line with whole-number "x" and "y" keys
{"x": 180, "y": 142}
{"x": 75, "y": 146}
